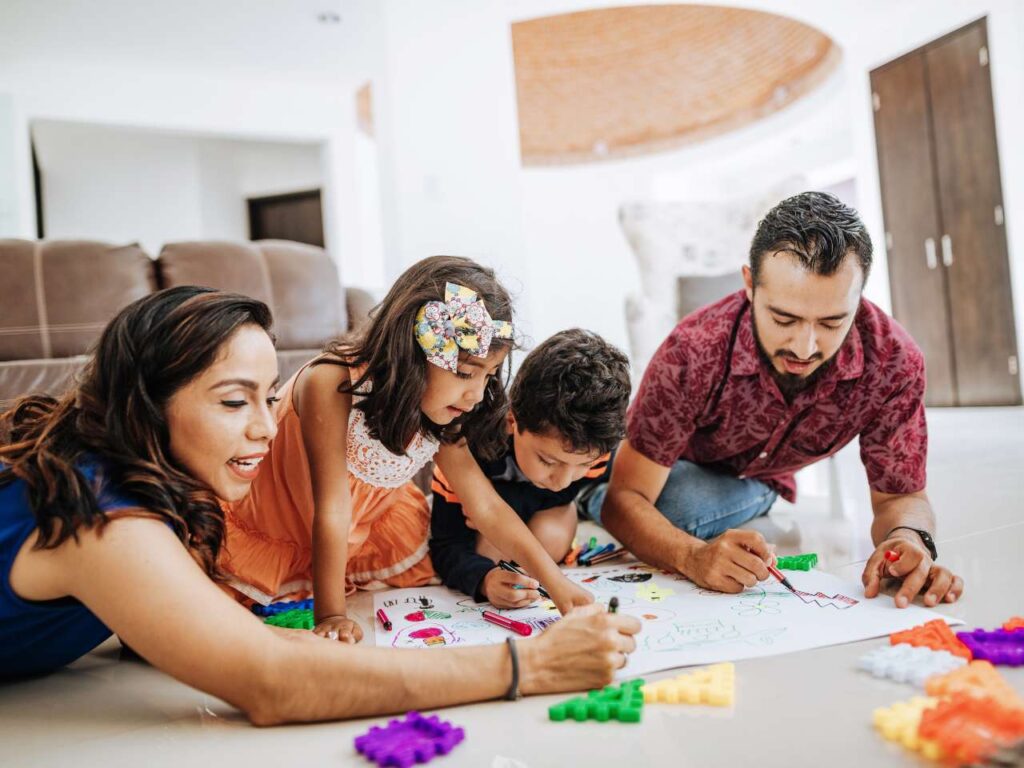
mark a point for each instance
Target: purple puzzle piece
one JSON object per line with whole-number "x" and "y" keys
{"x": 999, "y": 646}
{"x": 417, "y": 739}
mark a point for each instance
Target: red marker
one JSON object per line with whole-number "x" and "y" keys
{"x": 383, "y": 619}
{"x": 503, "y": 621}
{"x": 778, "y": 575}
{"x": 891, "y": 556}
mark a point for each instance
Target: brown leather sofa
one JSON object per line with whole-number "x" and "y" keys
{"x": 56, "y": 297}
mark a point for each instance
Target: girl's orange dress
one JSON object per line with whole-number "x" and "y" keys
{"x": 268, "y": 550}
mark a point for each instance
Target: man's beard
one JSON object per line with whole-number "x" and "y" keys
{"x": 792, "y": 384}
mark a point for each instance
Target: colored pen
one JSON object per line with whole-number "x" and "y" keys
{"x": 613, "y": 605}
{"x": 503, "y": 621}
{"x": 891, "y": 556}
{"x": 571, "y": 558}
{"x": 505, "y": 565}
{"x": 607, "y": 556}
{"x": 778, "y": 575}
{"x": 592, "y": 543}
{"x": 383, "y": 619}
{"x": 601, "y": 551}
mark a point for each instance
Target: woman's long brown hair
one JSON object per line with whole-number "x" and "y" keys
{"x": 114, "y": 420}
{"x": 392, "y": 362}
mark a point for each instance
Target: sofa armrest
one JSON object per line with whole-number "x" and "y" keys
{"x": 359, "y": 302}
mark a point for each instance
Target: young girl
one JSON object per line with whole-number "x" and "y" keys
{"x": 333, "y": 507}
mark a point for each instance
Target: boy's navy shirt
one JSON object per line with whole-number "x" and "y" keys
{"x": 453, "y": 543}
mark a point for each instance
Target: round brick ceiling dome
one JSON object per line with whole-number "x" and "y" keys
{"x": 616, "y": 82}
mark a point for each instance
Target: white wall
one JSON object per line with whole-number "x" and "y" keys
{"x": 110, "y": 63}
{"x": 8, "y": 187}
{"x": 127, "y": 185}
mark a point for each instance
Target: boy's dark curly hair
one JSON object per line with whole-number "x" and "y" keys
{"x": 576, "y": 384}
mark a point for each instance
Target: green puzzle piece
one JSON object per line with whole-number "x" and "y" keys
{"x": 797, "y": 562}
{"x": 624, "y": 703}
{"x": 297, "y": 618}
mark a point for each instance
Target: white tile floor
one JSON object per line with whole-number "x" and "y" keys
{"x": 792, "y": 710}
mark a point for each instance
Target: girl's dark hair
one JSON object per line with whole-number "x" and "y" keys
{"x": 115, "y": 418}
{"x": 395, "y": 367}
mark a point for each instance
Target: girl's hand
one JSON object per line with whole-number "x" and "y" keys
{"x": 566, "y": 596}
{"x": 582, "y": 651}
{"x": 339, "y": 627}
{"x": 504, "y": 589}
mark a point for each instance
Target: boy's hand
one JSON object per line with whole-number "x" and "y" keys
{"x": 567, "y": 596}
{"x": 339, "y": 627}
{"x": 500, "y": 589}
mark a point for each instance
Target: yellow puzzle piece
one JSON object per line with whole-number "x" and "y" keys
{"x": 900, "y": 722}
{"x": 714, "y": 685}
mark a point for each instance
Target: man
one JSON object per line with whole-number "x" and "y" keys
{"x": 769, "y": 380}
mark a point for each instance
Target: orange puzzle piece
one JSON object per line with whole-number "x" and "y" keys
{"x": 1017, "y": 622}
{"x": 934, "y": 634}
{"x": 979, "y": 679}
{"x": 968, "y": 728}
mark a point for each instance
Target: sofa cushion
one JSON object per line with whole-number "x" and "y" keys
{"x": 298, "y": 282}
{"x": 58, "y": 295}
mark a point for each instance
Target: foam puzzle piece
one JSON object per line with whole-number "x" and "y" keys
{"x": 899, "y": 722}
{"x": 934, "y": 634}
{"x": 909, "y": 664}
{"x": 714, "y": 685}
{"x": 283, "y": 607}
{"x": 624, "y": 703}
{"x": 797, "y": 562}
{"x": 968, "y": 728}
{"x": 1017, "y": 622}
{"x": 1001, "y": 647}
{"x": 980, "y": 679}
{"x": 298, "y": 618}
{"x": 416, "y": 739}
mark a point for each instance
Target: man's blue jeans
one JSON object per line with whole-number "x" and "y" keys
{"x": 701, "y": 502}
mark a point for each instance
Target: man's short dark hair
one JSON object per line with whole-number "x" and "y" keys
{"x": 575, "y": 384}
{"x": 816, "y": 228}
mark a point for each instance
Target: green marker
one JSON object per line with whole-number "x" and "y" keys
{"x": 593, "y": 542}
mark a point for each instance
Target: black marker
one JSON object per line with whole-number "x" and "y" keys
{"x": 613, "y": 605}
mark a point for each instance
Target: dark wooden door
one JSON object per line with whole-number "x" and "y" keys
{"x": 974, "y": 246}
{"x": 297, "y": 216}
{"x": 910, "y": 207}
{"x": 942, "y": 200}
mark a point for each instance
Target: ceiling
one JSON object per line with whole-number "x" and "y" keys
{"x": 617, "y": 82}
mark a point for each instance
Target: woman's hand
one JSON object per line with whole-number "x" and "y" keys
{"x": 581, "y": 651}
{"x": 339, "y": 627}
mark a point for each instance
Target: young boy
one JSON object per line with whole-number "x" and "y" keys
{"x": 567, "y": 413}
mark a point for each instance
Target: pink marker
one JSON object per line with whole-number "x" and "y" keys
{"x": 502, "y": 621}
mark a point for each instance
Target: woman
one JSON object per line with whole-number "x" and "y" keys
{"x": 110, "y": 521}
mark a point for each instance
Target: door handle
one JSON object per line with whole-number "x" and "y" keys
{"x": 929, "y": 253}
{"x": 947, "y": 250}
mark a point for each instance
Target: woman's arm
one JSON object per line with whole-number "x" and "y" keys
{"x": 498, "y": 523}
{"x": 323, "y": 417}
{"x": 139, "y": 580}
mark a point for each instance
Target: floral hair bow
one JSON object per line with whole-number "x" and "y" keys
{"x": 461, "y": 321}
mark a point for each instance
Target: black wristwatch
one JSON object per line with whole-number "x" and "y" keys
{"x": 926, "y": 537}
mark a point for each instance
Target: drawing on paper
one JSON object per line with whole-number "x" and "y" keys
{"x": 682, "y": 624}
